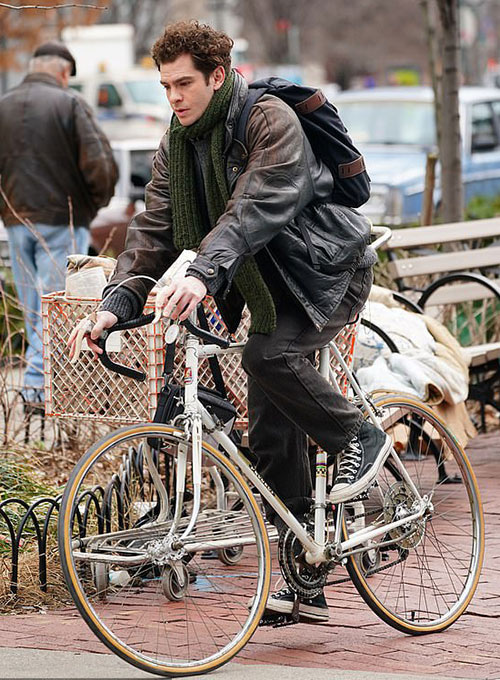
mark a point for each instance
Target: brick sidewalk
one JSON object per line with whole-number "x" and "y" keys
{"x": 354, "y": 638}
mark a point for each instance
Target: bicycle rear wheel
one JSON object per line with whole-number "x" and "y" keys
{"x": 159, "y": 604}
{"x": 425, "y": 579}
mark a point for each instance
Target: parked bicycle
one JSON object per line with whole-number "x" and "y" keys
{"x": 172, "y": 572}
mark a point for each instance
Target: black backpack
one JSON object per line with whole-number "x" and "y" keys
{"x": 325, "y": 131}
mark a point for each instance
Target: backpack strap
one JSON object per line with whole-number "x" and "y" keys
{"x": 254, "y": 94}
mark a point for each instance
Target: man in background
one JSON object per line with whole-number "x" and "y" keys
{"x": 56, "y": 171}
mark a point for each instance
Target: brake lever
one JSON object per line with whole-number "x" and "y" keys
{"x": 206, "y": 335}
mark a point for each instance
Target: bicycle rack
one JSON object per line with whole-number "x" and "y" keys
{"x": 99, "y": 498}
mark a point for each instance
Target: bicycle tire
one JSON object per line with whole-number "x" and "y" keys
{"x": 192, "y": 633}
{"x": 417, "y": 590}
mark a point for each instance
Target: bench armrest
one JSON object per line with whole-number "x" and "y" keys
{"x": 381, "y": 333}
{"x": 407, "y": 302}
{"x": 452, "y": 278}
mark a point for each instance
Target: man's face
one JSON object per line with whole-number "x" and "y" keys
{"x": 187, "y": 90}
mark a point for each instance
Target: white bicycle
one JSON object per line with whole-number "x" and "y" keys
{"x": 168, "y": 557}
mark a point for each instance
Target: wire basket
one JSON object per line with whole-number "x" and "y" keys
{"x": 88, "y": 390}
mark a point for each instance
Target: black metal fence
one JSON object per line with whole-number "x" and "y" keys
{"x": 103, "y": 504}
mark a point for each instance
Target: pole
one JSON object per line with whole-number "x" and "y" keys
{"x": 430, "y": 181}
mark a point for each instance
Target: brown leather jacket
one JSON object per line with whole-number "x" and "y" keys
{"x": 52, "y": 149}
{"x": 278, "y": 190}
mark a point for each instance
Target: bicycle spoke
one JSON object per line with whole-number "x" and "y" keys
{"x": 176, "y": 609}
{"x": 429, "y": 575}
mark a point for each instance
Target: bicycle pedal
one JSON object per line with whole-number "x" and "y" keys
{"x": 276, "y": 620}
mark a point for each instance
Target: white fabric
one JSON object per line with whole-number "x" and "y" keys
{"x": 424, "y": 368}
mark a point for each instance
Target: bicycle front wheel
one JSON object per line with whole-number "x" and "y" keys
{"x": 151, "y": 591}
{"x": 425, "y": 575}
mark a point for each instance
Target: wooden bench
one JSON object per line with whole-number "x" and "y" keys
{"x": 452, "y": 272}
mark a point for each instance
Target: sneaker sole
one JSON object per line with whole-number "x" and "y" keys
{"x": 305, "y": 611}
{"x": 351, "y": 490}
{"x": 274, "y": 607}
{"x": 279, "y": 607}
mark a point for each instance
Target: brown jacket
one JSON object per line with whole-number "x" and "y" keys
{"x": 52, "y": 149}
{"x": 278, "y": 191}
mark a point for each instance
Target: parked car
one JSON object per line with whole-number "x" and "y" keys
{"x": 394, "y": 128}
{"x": 128, "y": 104}
{"x": 134, "y": 157}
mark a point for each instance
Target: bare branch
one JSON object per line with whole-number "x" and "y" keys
{"x": 3, "y": 4}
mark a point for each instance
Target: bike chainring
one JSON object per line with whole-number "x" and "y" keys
{"x": 304, "y": 579}
{"x": 399, "y": 502}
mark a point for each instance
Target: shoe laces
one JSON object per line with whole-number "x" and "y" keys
{"x": 350, "y": 461}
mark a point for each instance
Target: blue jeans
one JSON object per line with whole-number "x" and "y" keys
{"x": 38, "y": 260}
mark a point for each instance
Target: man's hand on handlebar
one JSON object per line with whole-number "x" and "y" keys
{"x": 177, "y": 301}
{"x": 181, "y": 297}
{"x": 91, "y": 333}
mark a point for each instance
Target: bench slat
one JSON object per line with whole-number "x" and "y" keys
{"x": 445, "y": 262}
{"x": 460, "y": 292}
{"x": 413, "y": 237}
{"x": 480, "y": 354}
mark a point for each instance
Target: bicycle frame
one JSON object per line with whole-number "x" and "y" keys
{"x": 196, "y": 418}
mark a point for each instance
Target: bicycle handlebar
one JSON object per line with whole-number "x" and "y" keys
{"x": 205, "y": 335}
{"x": 137, "y": 323}
{"x": 383, "y": 234}
{"x": 112, "y": 365}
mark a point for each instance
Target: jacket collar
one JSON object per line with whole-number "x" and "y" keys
{"x": 240, "y": 93}
{"x": 42, "y": 78}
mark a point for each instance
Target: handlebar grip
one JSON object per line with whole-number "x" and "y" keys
{"x": 133, "y": 323}
{"x": 205, "y": 335}
{"x": 104, "y": 357}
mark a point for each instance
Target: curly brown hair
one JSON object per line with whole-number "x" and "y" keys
{"x": 208, "y": 48}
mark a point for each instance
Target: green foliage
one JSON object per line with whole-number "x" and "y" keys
{"x": 20, "y": 480}
{"x": 482, "y": 207}
{"x": 11, "y": 318}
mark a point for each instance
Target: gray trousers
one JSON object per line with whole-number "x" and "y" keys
{"x": 288, "y": 399}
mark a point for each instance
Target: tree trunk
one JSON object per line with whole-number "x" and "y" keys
{"x": 450, "y": 143}
{"x": 432, "y": 51}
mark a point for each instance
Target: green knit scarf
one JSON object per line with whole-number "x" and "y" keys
{"x": 187, "y": 220}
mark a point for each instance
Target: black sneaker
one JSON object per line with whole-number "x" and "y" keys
{"x": 282, "y": 601}
{"x": 360, "y": 462}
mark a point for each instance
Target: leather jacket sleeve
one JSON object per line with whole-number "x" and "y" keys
{"x": 95, "y": 157}
{"x": 281, "y": 177}
{"x": 149, "y": 249}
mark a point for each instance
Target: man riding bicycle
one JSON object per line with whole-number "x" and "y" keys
{"x": 241, "y": 209}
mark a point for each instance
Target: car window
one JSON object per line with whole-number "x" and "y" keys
{"x": 483, "y": 132}
{"x": 496, "y": 112}
{"x": 147, "y": 91}
{"x": 389, "y": 122}
{"x": 108, "y": 96}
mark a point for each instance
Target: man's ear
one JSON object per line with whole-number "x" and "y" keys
{"x": 65, "y": 75}
{"x": 219, "y": 75}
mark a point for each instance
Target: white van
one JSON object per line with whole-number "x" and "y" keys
{"x": 128, "y": 104}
